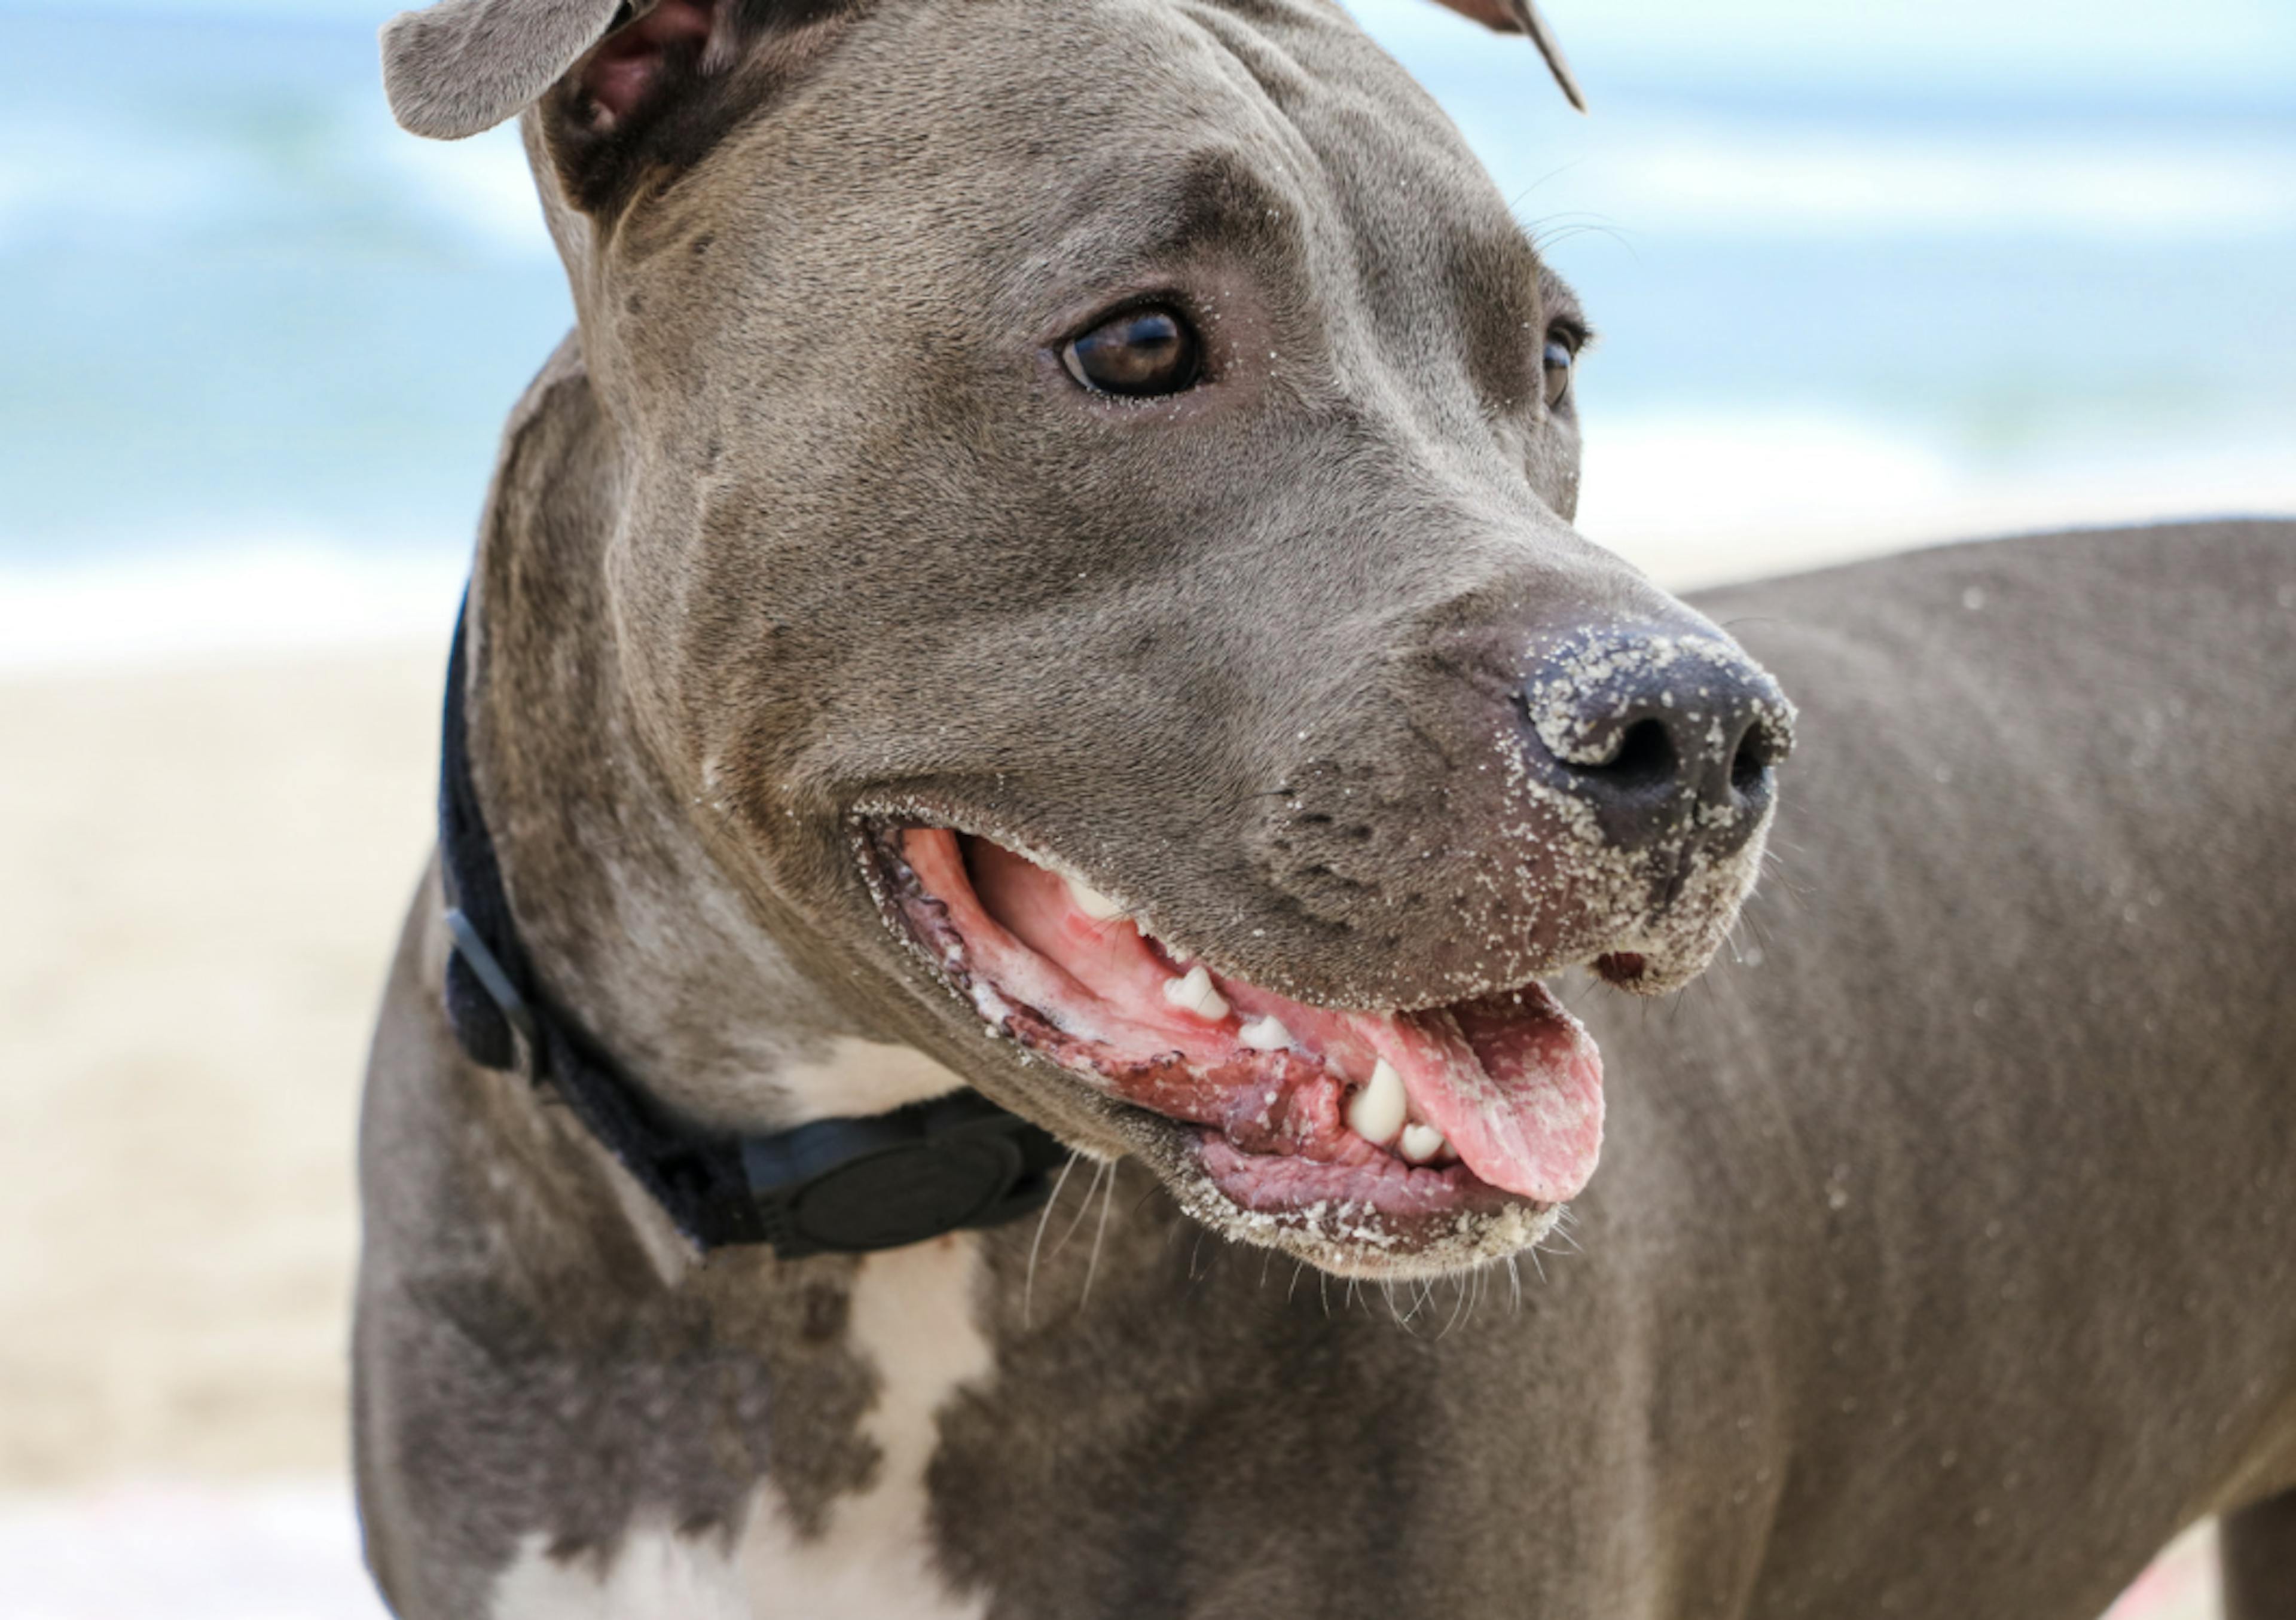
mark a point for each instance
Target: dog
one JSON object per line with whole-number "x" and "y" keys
{"x": 1029, "y": 731}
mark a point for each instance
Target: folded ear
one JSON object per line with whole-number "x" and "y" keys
{"x": 625, "y": 89}
{"x": 467, "y": 65}
{"x": 1521, "y": 17}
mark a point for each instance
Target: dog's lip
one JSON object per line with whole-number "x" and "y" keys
{"x": 1270, "y": 1130}
{"x": 870, "y": 820}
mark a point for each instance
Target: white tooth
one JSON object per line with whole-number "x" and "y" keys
{"x": 1421, "y": 1143}
{"x": 1377, "y": 1112}
{"x": 1266, "y": 1034}
{"x": 1194, "y": 990}
{"x": 1092, "y": 903}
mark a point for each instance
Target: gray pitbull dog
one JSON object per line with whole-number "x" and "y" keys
{"x": 1046, "y": 574}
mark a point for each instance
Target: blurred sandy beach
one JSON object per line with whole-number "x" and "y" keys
{"x": 201, "y": 865}
{"x": 202, "y": 871}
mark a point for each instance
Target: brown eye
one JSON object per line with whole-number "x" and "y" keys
{"x": 1561, "y": 355}
{"x": 1140, "y": 352}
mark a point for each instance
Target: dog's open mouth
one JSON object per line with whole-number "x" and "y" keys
{"x": 1406, "y": 1120}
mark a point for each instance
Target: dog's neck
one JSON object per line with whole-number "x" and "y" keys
{"x": 632, "y": 906}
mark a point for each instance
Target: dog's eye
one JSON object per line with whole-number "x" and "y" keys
{"x": 1562, "y": 354}
{"x": 1142, "y": 351}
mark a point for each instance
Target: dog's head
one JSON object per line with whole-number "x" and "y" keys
{"x": 1094, "y": 485}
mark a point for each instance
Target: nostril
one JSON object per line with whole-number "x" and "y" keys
{"x": 1750, "y": 764}
{"x": 1762, "y": 745}
{"x": 1645, "y": 758}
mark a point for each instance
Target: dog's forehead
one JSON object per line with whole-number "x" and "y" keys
{"x": 1022, "y": 133}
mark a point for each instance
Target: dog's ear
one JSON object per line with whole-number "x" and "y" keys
{"x": 467, "y": 65}
{"x": 624, "y": 87}
{"x": 1521, "y": 17}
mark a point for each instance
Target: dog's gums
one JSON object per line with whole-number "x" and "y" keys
{"x": 1389, "y": 1127}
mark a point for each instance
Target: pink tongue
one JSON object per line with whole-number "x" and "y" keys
{"x": 1513, "y": 1081}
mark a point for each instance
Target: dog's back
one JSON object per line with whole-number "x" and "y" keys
{"x": 1982, "y": 1135}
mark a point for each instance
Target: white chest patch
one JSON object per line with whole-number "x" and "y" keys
{"x": 861, "y": 1078}
{"x": 914, "y": 1317}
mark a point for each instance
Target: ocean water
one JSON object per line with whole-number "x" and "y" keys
{"x": 1849, "y": 284}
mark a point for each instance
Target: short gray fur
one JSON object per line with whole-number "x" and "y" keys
{"x": 1942, "y": 1261}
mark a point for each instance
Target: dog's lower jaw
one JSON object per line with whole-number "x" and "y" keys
{"x": 1355, "y": 1246}
{"x": 1352, "y": 1246}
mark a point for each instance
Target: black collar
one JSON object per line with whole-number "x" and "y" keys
{"x": 844, "y": 1185}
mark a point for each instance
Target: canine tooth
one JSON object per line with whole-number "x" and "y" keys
{"x": 1377, "y": 1112}
{"x": 1421, "y": 1143}
{"x": 1266, "y": 1034}
{"x": 1092, "y": 903}
{"x": 1194, "y": 990}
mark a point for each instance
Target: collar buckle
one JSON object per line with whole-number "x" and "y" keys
{"x": 853, "y": 1186}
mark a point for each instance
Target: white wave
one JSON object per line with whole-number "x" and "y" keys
{"x": 1834, "y": 181}
{"x": 1692, "y": 498}
{"x": 1697, "y": 499}
{"x": 284, "y": 595}
{"x": 68, "y": 172}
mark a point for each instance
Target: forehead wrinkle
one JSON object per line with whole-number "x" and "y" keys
{"x": 1172, "y": 211}
{"x": 1363, "y": 143}
{"x": 1236, "y": 171}
{"x": 1339, "y": 136}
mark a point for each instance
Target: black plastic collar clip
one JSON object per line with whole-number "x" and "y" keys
{"x": 850, "y": 1186}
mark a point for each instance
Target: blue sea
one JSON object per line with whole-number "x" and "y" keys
{"x": 1860, "y": 270}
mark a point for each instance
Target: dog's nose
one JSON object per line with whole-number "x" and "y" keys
{"x": 1670, "y": 739}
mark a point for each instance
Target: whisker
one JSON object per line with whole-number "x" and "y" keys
{"x": 1084, "y": 1209}
{"x": 1551, "y": 174}
{"x": 1457, "y": 1305}
{"x": 1547, "y": 240}
{"x": 1029, "y": 1287}
{"x": 1099, "y": 1235}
